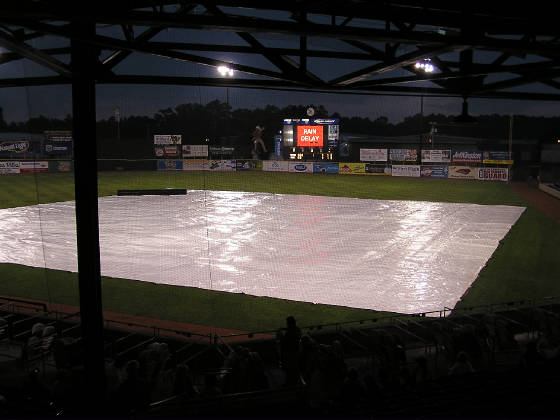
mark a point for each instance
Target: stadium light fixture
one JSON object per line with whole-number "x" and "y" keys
{"x": 225, "y": 71}
{"x": 425, "y": 65}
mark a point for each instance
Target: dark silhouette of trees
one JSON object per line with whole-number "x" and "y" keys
{"x": 222, "y": 125}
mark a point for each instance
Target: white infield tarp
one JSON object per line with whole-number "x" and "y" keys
{"x": 402, "y": 256}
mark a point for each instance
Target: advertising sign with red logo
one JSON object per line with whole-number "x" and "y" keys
{"x": 309, "y": 136}
{"x": 462, "y": 172}
{"x": 34, "y": 166}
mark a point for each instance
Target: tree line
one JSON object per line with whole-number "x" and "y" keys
{"x": 219, "y": 123}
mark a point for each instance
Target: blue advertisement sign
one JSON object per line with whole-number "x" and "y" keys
{"x": 325, "y": 167}
{"x": 170, "y": 165}
{"x": 434, "y": 171}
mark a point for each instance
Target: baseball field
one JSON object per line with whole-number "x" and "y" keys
{"x": 525, "y": 265}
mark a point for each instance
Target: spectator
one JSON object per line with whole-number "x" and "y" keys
{"x": 462, "y": 365}
{"x": 211, "y": 388}
{"x": 182, "y": 384}
{"x": 354, "y": 393}
{"x": 290, "y": 352}
{"x": 133, "y": 394}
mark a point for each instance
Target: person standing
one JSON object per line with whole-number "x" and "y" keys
{"x": 259, "y": 147}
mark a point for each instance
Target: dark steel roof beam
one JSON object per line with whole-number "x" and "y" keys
{"x": 24, "y": 50}
{"x": 284, "y": 64}
{"x": 398, "y": 62}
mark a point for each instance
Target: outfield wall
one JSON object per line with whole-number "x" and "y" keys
{"x": 440, "y": 171}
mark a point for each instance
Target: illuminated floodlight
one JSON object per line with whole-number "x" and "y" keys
{"x": 225, "y": 71}
{"x": 424, "y": 65}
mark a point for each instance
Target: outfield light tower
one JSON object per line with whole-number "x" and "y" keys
{"x": 226, "y": 71}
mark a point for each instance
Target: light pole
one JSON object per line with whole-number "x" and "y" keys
{"x": 226, "y": 71}
{"x": 118, "y": 120}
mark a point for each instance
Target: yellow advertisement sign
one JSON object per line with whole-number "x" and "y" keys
{"x": 352, "y": 168}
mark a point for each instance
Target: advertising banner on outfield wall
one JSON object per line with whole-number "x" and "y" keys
{"x": 248, "y": 165}
{"x": 325, "y": 167}
{"x": 9, "y": 147}
{"x": 195, "y": 150}
{"x": 196, "y": 164}
{"x": 223, "y": 165}
{"x": 352, "y": 168}
{"x": 169, "y": 165}
{"x": 61, "y": 166}
{"x": 493, "y": 174}
{"x": 462, "y": 172}
{"x": 409, "y": 155}
{"x": 371, "y": 169}
{"x": 167, "y": 151}
{"x": 167, "y": 139}
{"x": 434, "y": 172}
{"x": 406, "y": 170}
{"x": 275, "y": 166}
{"x": 497, "y": 158}
{"x": 373, "y": 155}
{"x": 9, "y": 167}
{"x": 32, "y": 166}
{"x": 306, "y": 167}
{"x": 436, "y": 156}
{"x": 466, "y": 156}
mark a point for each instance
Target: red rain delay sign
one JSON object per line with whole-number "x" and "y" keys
{"x": 310, "y": 135}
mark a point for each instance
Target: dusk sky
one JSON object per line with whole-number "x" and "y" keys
{"x": 55, "y": 101}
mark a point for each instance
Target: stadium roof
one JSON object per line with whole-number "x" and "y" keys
{"x": 478, "y": 49}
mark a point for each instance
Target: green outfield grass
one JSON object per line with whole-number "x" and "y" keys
{"x": 525, "y": 265}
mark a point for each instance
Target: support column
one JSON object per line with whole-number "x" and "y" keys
{"x": 84, "y": 59}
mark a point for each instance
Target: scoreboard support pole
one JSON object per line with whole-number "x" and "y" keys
{"x": 84, "y": 59}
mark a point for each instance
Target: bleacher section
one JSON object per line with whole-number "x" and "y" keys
{"x": 403, "y": 364}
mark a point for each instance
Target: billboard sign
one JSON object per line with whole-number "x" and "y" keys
{"x": 325, "y": 167}
{"x": 406, "y": 170}
{"x": 9, "y": 167}
{"x": 18, "y": 146}
{"x": 309, "y": 136}
{"x": 248, "y": 165}
{"x": 33, "y": 166}
{"x": 195, "y": 150}
{"x": 372, "y": 169}
{"x": 352, "y": 168}
{"x": 58, "y": 136}
{"x": 167, "y": 151}
{"x": 436, "y": 156}
{"x": 497, "y": 158}
{"x": 169, "y": 165}
{"x": 58, "y": 149}
{"x": 434, "y": 172}
{"x": 333, "y": 135}
{"x": 167, "y": 139}
{"x": 305, "y": 167}
{"x": 466, "y": 156}
{"x": 223, "y": 165}
{"x": 275, "y": 166}
{"x": 462, "y": 172}
{"x": 493, "y": 174}
{"x": 61, "y": 166}
{"x": 373, "y": 155}
{"x": 196, "y": 165}
{"x": 409, "y": 155}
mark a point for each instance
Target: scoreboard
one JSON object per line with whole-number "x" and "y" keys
{"x": 310, "y": 138}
